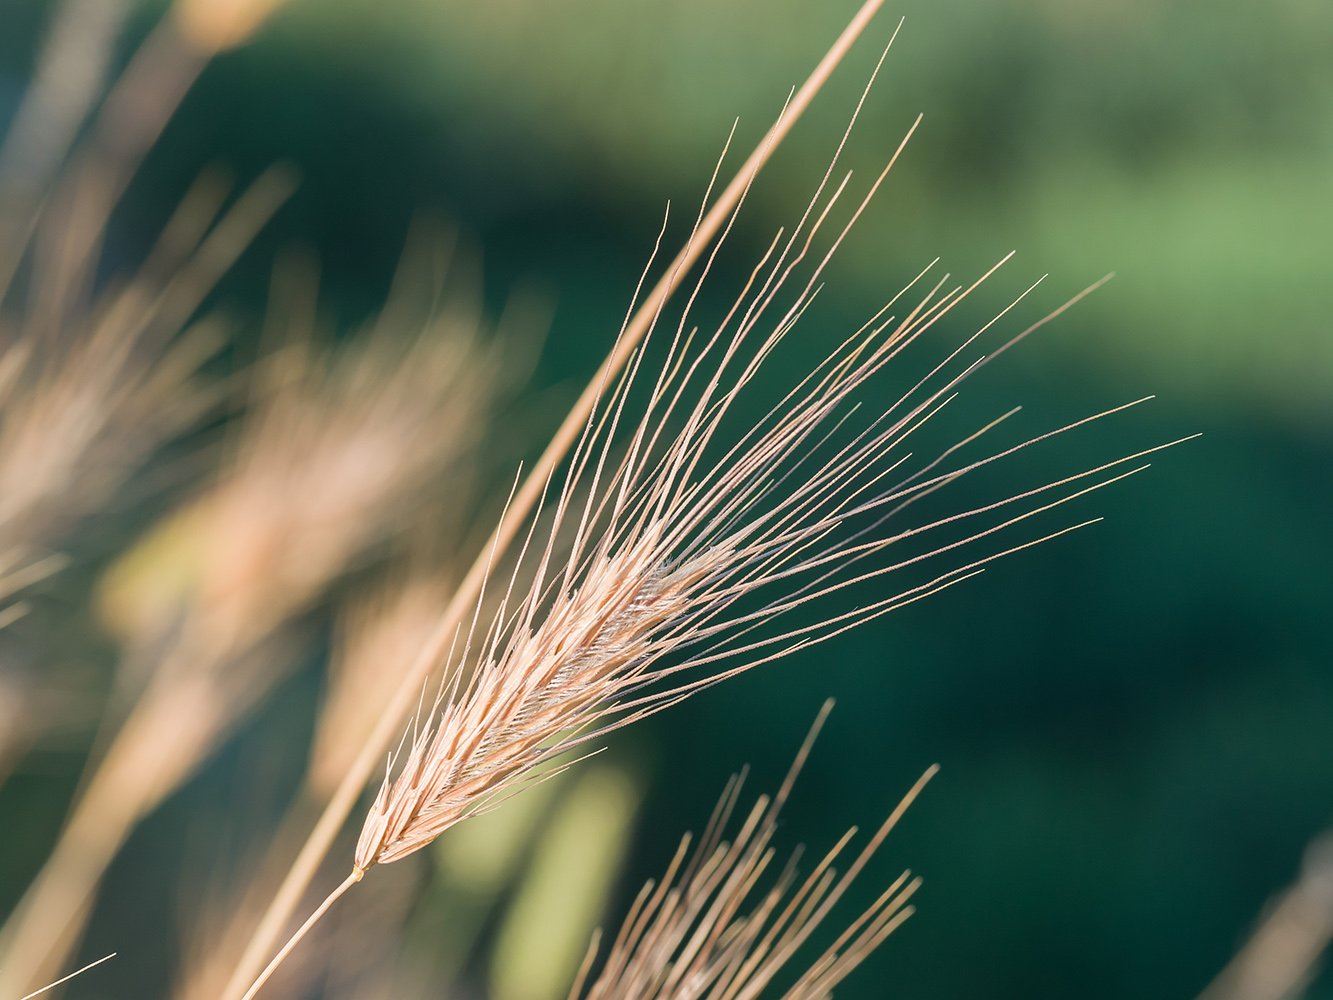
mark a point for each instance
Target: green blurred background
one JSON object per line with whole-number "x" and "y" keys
{"x": 1135, "y": 723}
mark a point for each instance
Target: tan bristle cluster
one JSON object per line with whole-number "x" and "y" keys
{"x": 709, "y": 930}
{"x": 649, "y": 568}
{"x": 669, "y": 538}
{"x": 338, "y": 450}
{"x": 590, "y": 642}
{"x": 378, "y": 637}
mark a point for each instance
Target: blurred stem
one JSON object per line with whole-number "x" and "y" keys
{"x": 71, "y": 72}
{"x": 205, "y": 977}
{"x": 372, "y": 753}
{"x": 142, "y": 101}
{"x": 1278, "y": 960}
{"x": 166, "y": 735}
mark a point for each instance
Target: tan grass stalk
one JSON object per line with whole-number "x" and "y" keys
{"x": 93, "y": 380}
{"x": 350, "y": 952}
{"x": 708, "y": 930}
{"x": 335, "y": 456}
{"x": 70, "y": 219}
{"x": 67, "y": 225}
{"x": 525, "y": 499}
{"x": 70, "y": 75}
{"x": 686, "y": 550}
{"x": 378, "y": 639}
{"x": 65, "y": 979}
{"x": 378, "y": 636}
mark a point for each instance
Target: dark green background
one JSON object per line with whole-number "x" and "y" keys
{"x": 1135, "y": 723}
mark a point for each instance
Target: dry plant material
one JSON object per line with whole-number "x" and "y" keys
{"x": 84, "y": 406}
{"x": 686, "y": 550}
{"x": 337, "y": 452}
{"x": 93, "y": 380}
{"x": 707, "y": 930}
{"x": 345, "y": 957}
{"x": 377, "y": 638}
{"x": 339, "y": 458}
{"x": 95, "y": 375}
{"x": 526, "y": 498}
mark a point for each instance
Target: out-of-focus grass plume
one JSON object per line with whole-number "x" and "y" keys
{"x": 338, "y": 449}
{"x": 99, "y": 363}
{"x": 333, "y": 456}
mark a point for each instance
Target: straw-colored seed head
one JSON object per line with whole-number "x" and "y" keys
{"x": 671, "y": 551}
{"x": 550, "y": 680}
{"x": 709, "y": 929}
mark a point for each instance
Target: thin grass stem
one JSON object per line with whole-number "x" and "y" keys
{"x": 367, "y": 762}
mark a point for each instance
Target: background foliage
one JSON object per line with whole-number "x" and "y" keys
{"x": 1135, "y": 724}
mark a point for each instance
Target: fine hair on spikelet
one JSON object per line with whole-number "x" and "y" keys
{"x": 708, "y": 930}
{"x": 684, "y": 550}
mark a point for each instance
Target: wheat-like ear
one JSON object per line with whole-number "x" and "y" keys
{"x": 528, "y": 495}
{"x": 684, "y": 551}
{"x": 708, "y": 930}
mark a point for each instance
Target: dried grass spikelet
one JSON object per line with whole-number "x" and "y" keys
{"x": 708, "y": 930}
{"x": 96, "y": 374}
{"x": 88, "y": 394}
{"x": 670, "y": 554}
{"x": 339, "y": 450}
{"x": 524, "y": 502}
{"x": 378, "y": 637}
{"x": 687, "y": 549}
{"x": 378, "y": 634}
